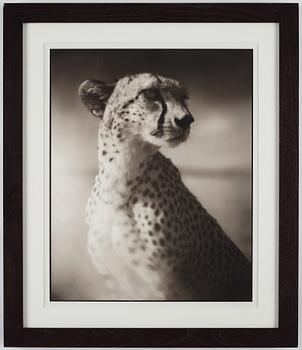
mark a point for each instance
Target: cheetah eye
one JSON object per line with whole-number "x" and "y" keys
{"x": 185, "y": 98}
{"x": 151, "y": 94}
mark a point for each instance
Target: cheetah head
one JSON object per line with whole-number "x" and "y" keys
{"x": 145, "y": 106}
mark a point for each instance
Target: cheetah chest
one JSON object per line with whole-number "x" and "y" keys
{"x": 120, "y": 254}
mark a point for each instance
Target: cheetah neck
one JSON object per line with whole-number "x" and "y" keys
{"x": 122, "y": 164}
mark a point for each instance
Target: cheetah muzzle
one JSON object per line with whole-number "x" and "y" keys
{"x": 149, "y": 237}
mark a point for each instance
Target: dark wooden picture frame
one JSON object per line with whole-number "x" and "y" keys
{"x": 286, "y": 335}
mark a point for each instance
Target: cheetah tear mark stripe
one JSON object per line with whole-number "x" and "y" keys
{"x": 161, "y": 118}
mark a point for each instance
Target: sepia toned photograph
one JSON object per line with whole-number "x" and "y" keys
{"x": 151, "y": 174}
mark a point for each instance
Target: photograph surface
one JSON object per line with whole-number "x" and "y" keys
{"x": 151, "y": 174}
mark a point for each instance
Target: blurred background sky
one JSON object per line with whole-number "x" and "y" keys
{"x": 215, "y": 162}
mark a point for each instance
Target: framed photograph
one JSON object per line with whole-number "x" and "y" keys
{"x": 150, "y": 175}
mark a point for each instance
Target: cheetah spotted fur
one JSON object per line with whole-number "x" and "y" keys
{"x": 149, "y": 237}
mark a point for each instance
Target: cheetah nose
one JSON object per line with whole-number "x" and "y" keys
{"x": 185, "y": 121}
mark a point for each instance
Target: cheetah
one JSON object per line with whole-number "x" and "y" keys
{"x": 149, "y": 237}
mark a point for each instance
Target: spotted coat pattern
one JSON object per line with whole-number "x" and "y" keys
{"x": 149, "y": 237}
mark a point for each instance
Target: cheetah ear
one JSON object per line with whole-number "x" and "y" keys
{"x": 95, "y": 94}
